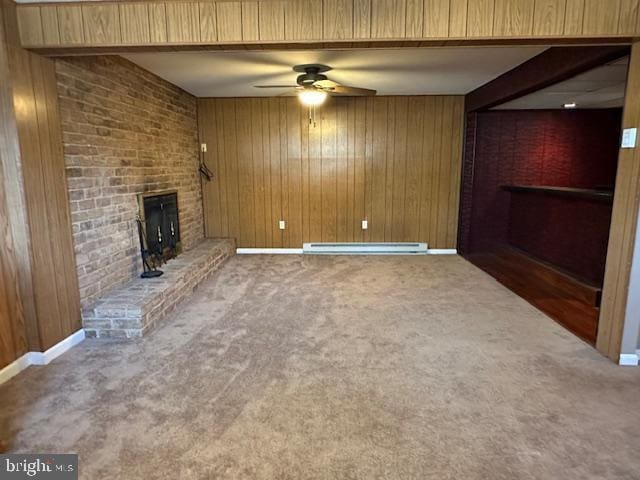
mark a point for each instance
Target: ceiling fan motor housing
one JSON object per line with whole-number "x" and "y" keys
{"x": 312, "y": 74}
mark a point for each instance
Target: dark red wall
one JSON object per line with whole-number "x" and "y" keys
{"x": 577, "y": 148}
{"x": 570, "y": 233}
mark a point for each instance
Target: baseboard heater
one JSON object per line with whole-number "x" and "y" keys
{"x": 365, "y": 249}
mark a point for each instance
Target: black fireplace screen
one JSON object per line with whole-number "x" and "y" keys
{"x": 162, "y": 226}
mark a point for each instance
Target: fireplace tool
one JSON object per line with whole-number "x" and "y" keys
{"x": 148, "y": 263}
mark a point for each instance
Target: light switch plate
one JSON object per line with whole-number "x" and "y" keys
{"x": 629, "y": 136}
{"x": 365, "y": 224}
{"x": 203, "y": 147}
{"x": 283, "y": 224}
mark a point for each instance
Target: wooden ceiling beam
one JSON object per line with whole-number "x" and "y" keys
{"x": 550, "y": 67}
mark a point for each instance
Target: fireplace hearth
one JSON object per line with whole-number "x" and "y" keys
{"x": 160, "y": 226}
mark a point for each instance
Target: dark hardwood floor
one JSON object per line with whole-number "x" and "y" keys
{"x": 567, "y": 300}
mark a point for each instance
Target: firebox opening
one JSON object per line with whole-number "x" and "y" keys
{"x": 159, "y": 214}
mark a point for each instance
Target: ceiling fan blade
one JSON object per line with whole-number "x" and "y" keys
{"x": 352, "y": 91}
{"x": 275, "y": 86}
{"x": 326, "y": 84}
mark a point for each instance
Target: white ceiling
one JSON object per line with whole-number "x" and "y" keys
{"x": 406, "y": 71}
{"x": 602, "y": 87}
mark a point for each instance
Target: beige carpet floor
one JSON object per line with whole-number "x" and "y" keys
{"x": 287, "y": 367}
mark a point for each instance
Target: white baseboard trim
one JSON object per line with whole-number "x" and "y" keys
{"x": 269, "y": 251}
{"x": 40, "y": 358}
{"x": 59, "y": 348}
{"x": 442, "y": 251}
{"x": 629, "y": 359}
{"x": 15, "y": 368}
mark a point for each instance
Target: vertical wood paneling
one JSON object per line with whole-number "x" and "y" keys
{"x": 14, "y": 322}
{"x": 457, "y": 18}
{"x": 101, "y": 24}
{"x": 134, "y": 23}
{"x": 30, "y": 25}
{"x": 394, "y": 161}
{"x": 455, "y": 178}
{"x": 183, "y": 22}
{"x": 294, "y": 216}
{"x": 230, "y": 140}
{"x": 221, "y": 173}
{"x": 210, "y": 191}
{"x": 229, "y": 21}
{"x": 70, "y": 25}
{"x": 361, "y": 19}
{"x": 315, "y": 183}
{"x": 54, "y": 280}
{"x": 601, "y": 17}
{"x": 50, "y": 29}
{"x": 258, "y": 155}
{"x": 624, "y": 224}
{"x": 436, "y": 18}
{"x": 187, "y": 22}
{"x": 414, "y": 169}
{"x": 271, "y": 20}
{"x": 359, "y": 159}
{"x": 303, "y": 20}
{"x": 12, "y": 334}
{"x": 415, "y": 18}
{"x": 628, "y": 24}
{"x": 549, "y": 17}
{"x": 250, "y": 21}
{"x": 378, "y": 169}
{"x": 399, "y": 176}
{"x": 247, "y": 235}
{"x": 275, "y": 173}
{"x": 250, "y": 30}
{"x": 342, "y": 169}
{"x": 513, "y": 18}
{"x": 480, "y": 18}
{"x": 388, "y": 18}
{"x": 338, "y": 19}
{"x": 329, "y": 184}
{"x": 574, "y": 17}
{"x": 208, "y": 22}
{"x": 157, "y": 22}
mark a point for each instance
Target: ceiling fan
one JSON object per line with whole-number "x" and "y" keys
{"x": 313, "y": 86}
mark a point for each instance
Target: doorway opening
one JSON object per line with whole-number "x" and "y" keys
{"x": 538, "y": 187}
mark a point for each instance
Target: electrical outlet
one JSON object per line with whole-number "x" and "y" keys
{"x": 365, "y": 224}
{"x": 283, "y": 224}
{"x": 203, "y": 147}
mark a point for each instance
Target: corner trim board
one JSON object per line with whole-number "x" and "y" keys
{"x": 629, "y": 359}
{"x": 41, "y": 358}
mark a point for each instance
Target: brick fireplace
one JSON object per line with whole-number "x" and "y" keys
{"x": 126, "y": 133}
{"x": 130, "y": 138}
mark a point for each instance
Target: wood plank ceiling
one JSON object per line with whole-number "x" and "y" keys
{"x": 184, "y": 23}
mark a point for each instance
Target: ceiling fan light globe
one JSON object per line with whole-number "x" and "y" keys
{"x": 312, "y": 97}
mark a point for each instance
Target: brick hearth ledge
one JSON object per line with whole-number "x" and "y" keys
{"x": 132, "y": 309}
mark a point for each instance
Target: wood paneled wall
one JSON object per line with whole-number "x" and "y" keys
{"x": 394, "y": 161}
{"x": 624, "y": 222}
{"x": 14, "y": 341}
{"x": 39, "y": 303}
{"x": 55, "y": 284}
{"x": 211, "y": 22}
